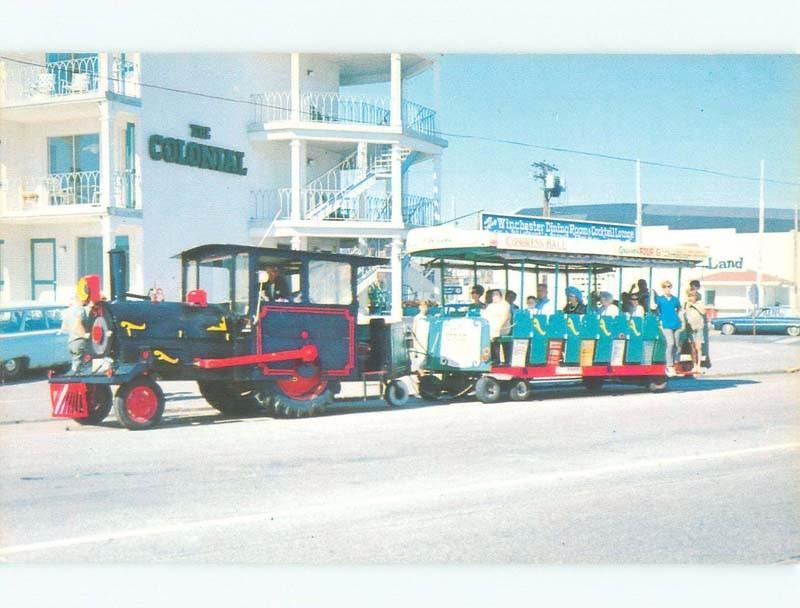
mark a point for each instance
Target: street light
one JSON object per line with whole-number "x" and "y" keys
{"x": 552, "y": 183}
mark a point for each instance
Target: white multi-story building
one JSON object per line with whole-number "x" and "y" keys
{"x": 158, "y": 153}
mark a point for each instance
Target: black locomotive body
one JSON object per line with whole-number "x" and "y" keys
{"x": 261, "y": 330}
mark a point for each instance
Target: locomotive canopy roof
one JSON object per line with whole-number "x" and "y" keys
{"x": 213, "y": 250}
{"x": 493, "y": 249}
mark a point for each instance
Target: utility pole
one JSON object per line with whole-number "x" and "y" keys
{"x": 552, "y": 185}
{"x": 638, "y": 200}
{"x": 760, "y": 236}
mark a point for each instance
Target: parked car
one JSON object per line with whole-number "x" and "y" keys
{"x": 775, "y": 320}
{"x": 30, "y": 338}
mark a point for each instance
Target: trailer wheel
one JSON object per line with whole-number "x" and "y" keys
{"x": 429, "y": 387}
{"x": 657, "y": 384}
{"x": 237, "y": 399}
{"x": 139, "y": 404}
{"x": 520, "y": 390}
{"x": 396, "y": 393}
{"x": 593, "y": 384}
{"x": 100, "y": 400}
{"x": 488, "y": 389}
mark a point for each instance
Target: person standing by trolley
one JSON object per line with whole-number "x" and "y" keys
{"x": 76, "y": 325}
{"x": 694, "y": 314}
{"x": 667, "y": 306}
{"x": 498, "y": 313}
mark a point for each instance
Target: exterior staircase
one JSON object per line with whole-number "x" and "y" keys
{"x": 344, "y": 190}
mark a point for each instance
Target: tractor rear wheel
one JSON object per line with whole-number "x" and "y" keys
{"x": 302, "y": 394}
{"x": 237, "y": 399}
{"x": 100, "y": 400}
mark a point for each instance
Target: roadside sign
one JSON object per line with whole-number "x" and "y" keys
{"x": 453, "y": 290}
{"x": 752, "y": 294}
{"x": 527, "y": 225}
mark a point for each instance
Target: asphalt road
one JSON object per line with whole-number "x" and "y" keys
{"x": 708, "y": 472}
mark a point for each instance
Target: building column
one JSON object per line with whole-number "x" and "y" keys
{"x": 437, "y": 189}
{"x": 397, "y": 186}
{"x": 396, "y": 257}
{"x": 437, "y": 86}
{"x": 106, "y": 154}
{"x": 298, "y": 159}
{"x": 295, "y": 91}
{"x": 396, "y": 107}
{"x": 104, "y": 69}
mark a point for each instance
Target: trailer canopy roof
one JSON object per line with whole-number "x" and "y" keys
{"x": 492, "y": 249}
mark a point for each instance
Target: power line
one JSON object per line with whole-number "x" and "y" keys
{"x": 469, "y": 136}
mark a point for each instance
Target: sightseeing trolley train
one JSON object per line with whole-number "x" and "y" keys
{"x": 460, "y": 355}
{"x": 260, "y": 330}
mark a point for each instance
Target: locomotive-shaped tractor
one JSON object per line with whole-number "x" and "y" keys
{"x": 262, "y": 331}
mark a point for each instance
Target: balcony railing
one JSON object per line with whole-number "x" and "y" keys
{"x": 334, "y": 205}
{"x": 420, "y": 210}
{"x": 335, "y": 108}
{"x": 70, "y": 191}
{"x": 61, "y": 79}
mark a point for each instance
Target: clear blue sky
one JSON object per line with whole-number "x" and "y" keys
{"x": 717, "y": 112}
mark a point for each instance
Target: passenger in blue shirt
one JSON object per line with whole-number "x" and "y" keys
{"x": 668, "y": 307}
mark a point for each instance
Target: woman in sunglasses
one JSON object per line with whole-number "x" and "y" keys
{"x": 668, "y": 308}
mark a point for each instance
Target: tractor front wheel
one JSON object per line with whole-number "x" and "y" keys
{"x": 139, "y": 404}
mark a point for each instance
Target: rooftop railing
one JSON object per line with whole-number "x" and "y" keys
{"x": 336, "y": 108}
{"x": 62, "y": 79}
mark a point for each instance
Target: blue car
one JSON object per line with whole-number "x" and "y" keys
{"x": 775, "y": 320}
{"x": 30, "y": 338}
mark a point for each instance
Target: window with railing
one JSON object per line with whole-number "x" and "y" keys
{"x": 74, "y": 169}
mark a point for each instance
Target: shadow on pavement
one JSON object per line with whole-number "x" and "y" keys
{"x": 541, "y": 393}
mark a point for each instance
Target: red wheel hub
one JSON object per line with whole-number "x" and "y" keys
{"x": 302, "y": 388}
{"x": 97, "y": 333}
{"x": 141, "y": 403}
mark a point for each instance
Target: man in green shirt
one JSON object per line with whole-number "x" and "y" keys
{"x": 75, "y": 324}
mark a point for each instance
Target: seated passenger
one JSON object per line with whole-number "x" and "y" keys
{"x": 607, "y": 308}
{"x": 511, "y": 298}
{"x": 575, "y": 305}
{"x": 475, "y": 295}
{"x": 634, "y": 308}
{"x": 544, "y": 305}
{"x": 498, "y": 314}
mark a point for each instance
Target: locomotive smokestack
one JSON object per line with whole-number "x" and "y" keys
{"x": 118, "y": 263}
